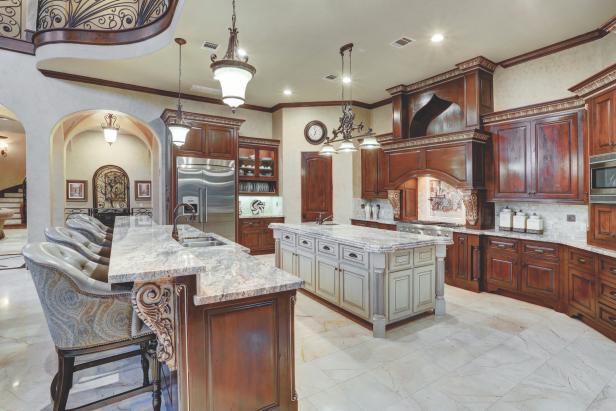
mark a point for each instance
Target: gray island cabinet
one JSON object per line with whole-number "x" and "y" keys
{"x": 379, "y": 276}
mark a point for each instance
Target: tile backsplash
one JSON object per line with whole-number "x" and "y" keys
{"x": 556, "y": 220}
{"x": 386, "y": 212}
{"x": 269, "y": 205}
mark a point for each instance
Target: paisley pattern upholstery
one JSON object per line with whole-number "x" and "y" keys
{"x": 90, "y": 231}
{"x": 80, "y": 311}
{"x": 73, "y": 239}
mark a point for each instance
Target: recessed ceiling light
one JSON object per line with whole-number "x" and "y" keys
{"x": 241, "y": 52}
{"x": 437, "y": 37}
{"x": 346, "y": 79}
{"x": 287, "y": 92}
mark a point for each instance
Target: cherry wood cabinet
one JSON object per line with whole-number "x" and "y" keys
{"x": 317, "y": 186}
{"x": 210, "y": 141}
{"x": 258, "y": 166}
{"x": 602, "y": 116}
{"x": 374, "y": 224}
{"x": 409, "y": 209}
{"x": 255, "y": 234}
{"x": 602, "y": 225}
{"x": 540, "y": 159}
{"x": 463, "y": 262}
{"x": 372, "y": 176}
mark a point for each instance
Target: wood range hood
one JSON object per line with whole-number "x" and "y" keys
{"x": 437, "y": 132}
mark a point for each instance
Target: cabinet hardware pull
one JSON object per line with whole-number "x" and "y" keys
{"x": 304, "y": 242}
{"x": 539, "y": 250}
{"x": 500, "y": 245}
{"x": 581, "y": 260}
{"x": 352, "y": 255}
{"x": 326, "y": 248}
{"x": 613, "y": 294}
{"x": 613, "y": 270}
{"x": 287, "y": 237}
{"x": 612, "y": 319}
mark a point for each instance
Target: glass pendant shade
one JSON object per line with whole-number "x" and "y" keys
{"x": 4, "y": 147}
{"x": 178, "y": 133}
{"x": 369, "y": 143}
{"x": 233, "y": 81}
{"x": 110, "y": 134}
{"x": 347, "y": 146}
{"x": 327, "y": 150}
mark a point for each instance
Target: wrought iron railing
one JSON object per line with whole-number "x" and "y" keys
{"x": 106, "y": 15}
{"x": 12, "y": 19}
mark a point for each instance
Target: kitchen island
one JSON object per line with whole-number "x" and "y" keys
{"x": 223, "y": 320}
{"x": 382, "y": 277}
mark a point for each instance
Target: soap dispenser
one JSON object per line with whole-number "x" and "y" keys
{"x": 534, "y": 224}
{"x": 519, "y": 222}
{"x": 505, "y": 219}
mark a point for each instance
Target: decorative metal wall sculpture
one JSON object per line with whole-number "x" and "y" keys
{"x": 109, "y": 15}
{"x": 111, "y": 188}
{"x": 11, "y": 18}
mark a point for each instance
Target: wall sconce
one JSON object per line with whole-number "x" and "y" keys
{"x": 4, "y": 146}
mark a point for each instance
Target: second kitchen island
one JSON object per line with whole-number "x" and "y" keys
{"x": 379, "y": 276}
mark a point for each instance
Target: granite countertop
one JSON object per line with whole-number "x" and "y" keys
{"x": 546, "y": 237}
{"x": 145, "y": 251}
{"x": 376, "y": 220}
{"x": 367, "y": 238}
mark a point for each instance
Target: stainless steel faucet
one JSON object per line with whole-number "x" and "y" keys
{"x": 193, "y": 215}
{"x": 321, "y": 220}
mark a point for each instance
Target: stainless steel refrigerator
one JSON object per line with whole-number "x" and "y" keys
{"x": 209, "y": 186}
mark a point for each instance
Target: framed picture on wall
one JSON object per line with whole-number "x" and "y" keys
{"x": 143, "y": 190}
{"x": 76, "y": 190}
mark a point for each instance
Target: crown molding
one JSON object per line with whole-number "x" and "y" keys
{"x": 259, "y": 141}
{"x": 555, "y": 106}
{"x": 604, "y": 79}
{"x": 169, "y": 114}
{"x": 436, "y": 140}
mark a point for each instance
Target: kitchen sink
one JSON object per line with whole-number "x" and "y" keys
{"x": 207, "y": 241}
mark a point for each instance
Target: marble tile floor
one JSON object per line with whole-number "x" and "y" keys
{"x": 488, "y": 353}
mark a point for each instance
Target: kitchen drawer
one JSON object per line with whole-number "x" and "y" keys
{"x": 607, "y": 269}
{"x": 354, "y": 255}
{"x": 288, "y": 238}
{"x": 584, "y": 261}
{"x": 305, "y": 243}
{"x": 423, "y": 256}
{"x": 547, "y": 250}
{"x": 607, "y": 294}
{"x": 401, "y": 260}
{"x": 252, "y": 223}
{"x": 504, "y": 244}
{"x": 607, "y": 316}
{"x": 327, "y": 248}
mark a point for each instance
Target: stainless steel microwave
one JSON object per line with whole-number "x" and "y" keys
{"x": 603, "y": 178}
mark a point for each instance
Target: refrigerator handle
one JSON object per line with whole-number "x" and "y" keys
{"x": 203, "y": 201}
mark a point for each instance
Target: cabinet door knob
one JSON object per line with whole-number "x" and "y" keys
{"x": 352, "y": 255}
{"x": 581, "y": 260}
{"x": 612, "y": 319}
{"x": 304, "y": 242}
{"x": 326, "y": 248}
{"x": 613, "y": 270}
{"x": 613, "y": 294}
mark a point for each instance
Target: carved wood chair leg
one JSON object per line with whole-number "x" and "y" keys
{"x": 65, "y": 381}
{"x": 155, "y": 368}
{"x": 53, "y": 388}
{"x": 145, "y": 363}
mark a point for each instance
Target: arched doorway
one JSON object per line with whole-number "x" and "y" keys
{"x": 13, "y": 217}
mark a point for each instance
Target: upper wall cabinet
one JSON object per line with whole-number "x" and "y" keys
{"x": 602, "y": 116}
{"x": 372, "y": 184}
{"x": 539, "y": 159}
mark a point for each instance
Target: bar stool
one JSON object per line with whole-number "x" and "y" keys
{"x": 94, "y": 221}
{"x": 90, "y": 231}
{"x": 85, "y": 316}
{"x": 73, "y": 239}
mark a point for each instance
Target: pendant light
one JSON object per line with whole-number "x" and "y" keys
{"x": 110, "y": 128}
{"x": 232, "y": 73}
{"x": 327, "y": 150}
{"x": 178, "y": 128}
{"x": 369, "y": 143}
{"x": 347, "y": 146}
{"x": 4, "y": 147}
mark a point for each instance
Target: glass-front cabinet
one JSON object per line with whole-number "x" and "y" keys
{"x": 258, "y": 166}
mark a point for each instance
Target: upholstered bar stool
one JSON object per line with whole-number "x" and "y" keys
{"x": 73, "y": 239}
{"x": 90, "y": 231}
{"x": 85, "y": 316}
{"x": 94, "y": 221}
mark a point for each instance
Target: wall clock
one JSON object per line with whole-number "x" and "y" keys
{"x": 315, "y": 132}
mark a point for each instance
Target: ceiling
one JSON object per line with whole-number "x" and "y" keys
{"x": 294, "y": 43}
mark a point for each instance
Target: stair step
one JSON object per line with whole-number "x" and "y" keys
{"x": 13, "y": 195}
{"x": 10, "y": 200}
{"x": 12, "y": 221}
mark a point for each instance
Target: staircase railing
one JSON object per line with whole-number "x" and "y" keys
{"x": 13, "y": 33}
{"x": 101, "y": 22}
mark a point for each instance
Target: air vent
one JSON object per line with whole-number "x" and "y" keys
{"x": 209, "y": 46}
{"x": 402, "y": 41}
{"x": 330, "y": 77}
{"x": 204, "y": 89}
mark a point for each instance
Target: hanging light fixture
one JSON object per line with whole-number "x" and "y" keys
{"x": 233, "y": 73}
{"x": 178, "y": 128}
{"x": 110, "y": 128}
{"x": 4, "y": 147}
{"x": 346, "y": 128}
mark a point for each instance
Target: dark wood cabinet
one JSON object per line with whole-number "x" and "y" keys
{"x": 463, "y": 262}
{"x": 502, "y": 271}
{"x": 540, "y": 277}
{"x": 540, "y": 159}
{"x": 409, "y": 209}
{"x": 258, "y": 166}
{"x": 220, "y": 142}
{"x": 255, "y": 234}
{"x": 602, "y": 225}
{"x": 582, "y": 291}
{"x": 374, "y": 224}
{"x": 372, "y": 176}
{"x": 602, "y": 116}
